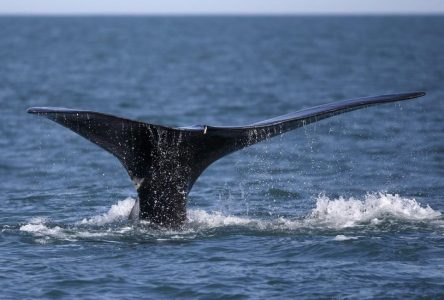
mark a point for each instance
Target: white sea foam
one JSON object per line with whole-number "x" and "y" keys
{"x": 330, "y": 213}
{"x": 327, "y": 214}
{"x": 341, "y": 212}
{"x": 119, "y": 211}
{"x": 39, "y": 228}
{"x": 216, "y": 219}
{"x": 341, "y": 237}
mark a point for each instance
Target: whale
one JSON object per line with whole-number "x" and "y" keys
{"x": 164, "y": 162}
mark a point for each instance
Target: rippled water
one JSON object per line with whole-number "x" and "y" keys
{"x": 347, "y": 207}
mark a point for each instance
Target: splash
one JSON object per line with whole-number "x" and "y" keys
{"x": 341, "y": 212}
{"x": 328, "y": 214}
{"x": 117, "y": 212}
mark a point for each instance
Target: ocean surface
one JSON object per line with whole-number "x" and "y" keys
{"x": 349, "y": 207}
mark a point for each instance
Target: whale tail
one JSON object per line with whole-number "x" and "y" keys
{"x": 164, "y": 162}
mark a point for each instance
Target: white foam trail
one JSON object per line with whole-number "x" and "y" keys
{"x": 117, "y": 212}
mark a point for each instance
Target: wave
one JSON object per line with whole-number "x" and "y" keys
{"x": 328, "y": 214}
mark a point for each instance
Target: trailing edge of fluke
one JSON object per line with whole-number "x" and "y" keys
{"x": 164, "y": 162}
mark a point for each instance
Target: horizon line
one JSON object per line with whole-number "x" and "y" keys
{"x": 211, "y": 14}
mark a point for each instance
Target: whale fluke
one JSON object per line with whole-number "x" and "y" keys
{"x": 164, "y": 162}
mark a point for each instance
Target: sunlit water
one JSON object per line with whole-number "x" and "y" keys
{"x": 347, "y": 207}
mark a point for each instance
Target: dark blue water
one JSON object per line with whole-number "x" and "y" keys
{"x": 348, "y": 207}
